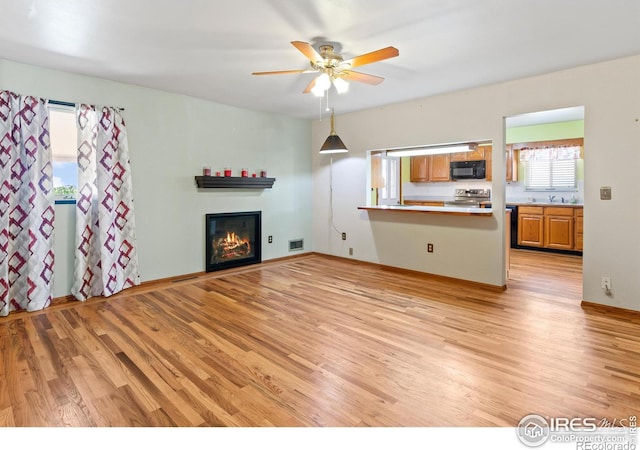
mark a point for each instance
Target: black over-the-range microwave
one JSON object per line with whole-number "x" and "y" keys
{"x": 468, "y": 170}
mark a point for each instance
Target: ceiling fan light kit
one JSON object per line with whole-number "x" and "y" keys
{"x": 334, "y": 70}
{"x": 340, "y": 85}
{"x": 321, "y": 84}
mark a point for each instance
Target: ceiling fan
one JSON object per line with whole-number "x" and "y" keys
{"x": 334, "y": 69}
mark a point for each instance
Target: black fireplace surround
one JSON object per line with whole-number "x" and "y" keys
{"x": 233, "y": 239}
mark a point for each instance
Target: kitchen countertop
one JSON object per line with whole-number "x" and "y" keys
{"x": 544, "y": 204}
{"x": 444, "y": 198}
{"x": 450, "y": 210}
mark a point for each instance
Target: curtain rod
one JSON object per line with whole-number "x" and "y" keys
{"x": 71, "y": 104}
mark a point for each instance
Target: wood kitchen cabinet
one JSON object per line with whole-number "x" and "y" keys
{"x": 430, "y": 168}
{"x": 578, "y": 214}
{"x": 531, "y": 226}
{"x": 436, "y": 167}
{"x": 511, "y": 157}
{"x": 439, "y": 167}
{"x": 511, "y": 163}
{"x": 420, "y": 168}
{"x": 553, "y": 227}
{"x": 474, "y": 155}
{"x": 488, "y": 157}
{"x": 558, "y": 228}
{"x": 423, "y": 203}
{"x": 377, "y": 179}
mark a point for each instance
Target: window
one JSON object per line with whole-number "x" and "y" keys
{"x": 389, "y": 193}
{"x": 63, "y": 138}
{"x": 550, "y": 175}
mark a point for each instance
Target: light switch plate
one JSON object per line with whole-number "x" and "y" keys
{"x": 605, "y": 193}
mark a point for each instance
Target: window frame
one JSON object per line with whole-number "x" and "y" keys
{"x": 68, "y": 108}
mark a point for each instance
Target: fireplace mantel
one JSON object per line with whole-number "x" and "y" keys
{"x": 204, "y": 182}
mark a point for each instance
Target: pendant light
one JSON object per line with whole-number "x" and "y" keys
{"x": 333, "y": 144}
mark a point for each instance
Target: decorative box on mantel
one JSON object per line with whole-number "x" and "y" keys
{"x": 204, "y": 182}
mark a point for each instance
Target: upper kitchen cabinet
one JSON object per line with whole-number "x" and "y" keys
{"x": 377, "y": 178}
{"x": 476, "y": 154}
{"x": 511, "y": 162}
{"x": 439, "y": 168}
{"x": 430, "y": 168}
{"x": 420, "y": 168}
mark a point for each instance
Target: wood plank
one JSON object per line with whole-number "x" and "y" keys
{"x": 325, "y": 341}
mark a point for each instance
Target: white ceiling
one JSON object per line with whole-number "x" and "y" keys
{"x": 208, "y": 49}
{"x": 550, "y": 116}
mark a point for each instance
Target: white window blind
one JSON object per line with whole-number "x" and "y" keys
{"x": 550, "y": 174}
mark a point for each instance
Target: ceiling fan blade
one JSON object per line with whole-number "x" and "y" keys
{"x": 282, "y": 72}
{"x": 368, "y": 58}
{"x": 307, "y": 50}
{"x": 309, "y": 86}
{"x": 350, "y": 75}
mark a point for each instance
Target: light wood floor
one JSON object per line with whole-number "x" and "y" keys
{"x": 319, "y": 341}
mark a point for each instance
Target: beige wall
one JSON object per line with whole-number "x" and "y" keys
{"x": 473, "y": 248}
{"x": 170, "y": 138}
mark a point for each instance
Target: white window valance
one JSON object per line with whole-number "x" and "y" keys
{"x": 551, "y": 153}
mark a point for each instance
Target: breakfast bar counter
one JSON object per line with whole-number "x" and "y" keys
{"x": 449, "y": 210}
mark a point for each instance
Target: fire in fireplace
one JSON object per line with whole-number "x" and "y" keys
{"x": 232, "y": 239}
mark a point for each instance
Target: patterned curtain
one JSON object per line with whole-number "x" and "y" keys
{"x": 26, "y": 204}
{"x": 555, "y": 153}
{"x": 106, "y": 260}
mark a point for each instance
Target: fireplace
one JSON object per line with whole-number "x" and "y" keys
{"x": 232, "y": 239}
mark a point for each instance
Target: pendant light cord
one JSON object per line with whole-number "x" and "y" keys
{"x": 331, "y": 195}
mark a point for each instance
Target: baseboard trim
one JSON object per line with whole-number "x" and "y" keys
{"x": 612, "y": 310}
{"x": 431, "y": 276}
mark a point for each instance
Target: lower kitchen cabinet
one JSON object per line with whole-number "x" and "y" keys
{"x": 423, "y": 203}
{"x": 531, "y": 226}
{"x": 558, "y": 228}
{"x": 550, "y": 227}
{"x": 578, "y": 229}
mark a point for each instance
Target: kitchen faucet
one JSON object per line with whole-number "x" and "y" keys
{"x": 551, "y": 198}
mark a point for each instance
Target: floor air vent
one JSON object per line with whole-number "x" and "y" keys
{"x": 297, "y": 244}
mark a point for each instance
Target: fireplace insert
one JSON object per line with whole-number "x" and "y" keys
{"x": 232, "y": 239}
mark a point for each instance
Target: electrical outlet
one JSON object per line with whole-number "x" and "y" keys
{"x": 430, "y": 248}
{"x": 270, "y": 239}
{"x": 344, "y": 236}
{"x": 606, "y": 284}
{"x": 350, "y": 251}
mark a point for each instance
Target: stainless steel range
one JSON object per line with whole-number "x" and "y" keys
{"x": 469, "y": 198}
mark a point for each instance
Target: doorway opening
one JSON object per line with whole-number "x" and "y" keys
{"x": 547, "y": 186}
